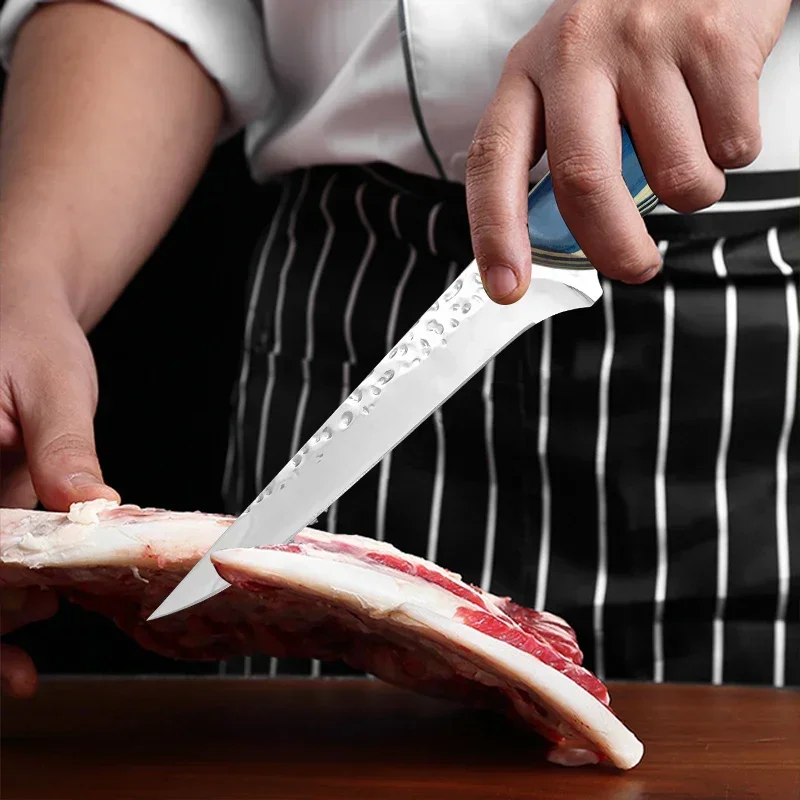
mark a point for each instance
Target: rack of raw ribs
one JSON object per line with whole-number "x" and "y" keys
{"x": 326, "y": 596}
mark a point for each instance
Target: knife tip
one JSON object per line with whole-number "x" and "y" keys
{"x": 172, "y": 604}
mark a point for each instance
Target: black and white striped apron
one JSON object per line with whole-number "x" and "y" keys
{"x": 634, "y": 467}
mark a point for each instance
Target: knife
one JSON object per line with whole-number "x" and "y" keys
{"x": 450, "y": 343}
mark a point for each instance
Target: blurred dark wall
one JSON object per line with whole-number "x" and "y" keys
{"x": 168, "y": 351}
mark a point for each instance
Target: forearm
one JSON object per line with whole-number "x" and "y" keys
{"x": 107, "y": 126}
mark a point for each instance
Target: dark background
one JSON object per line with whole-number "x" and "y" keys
{"x": 167, "y": 356}
{"x": 168, "y": 351}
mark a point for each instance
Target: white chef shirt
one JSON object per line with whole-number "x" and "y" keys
{"x": 398, "y": 81}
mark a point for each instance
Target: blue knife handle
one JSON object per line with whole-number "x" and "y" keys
{"x": 552, "y": 244}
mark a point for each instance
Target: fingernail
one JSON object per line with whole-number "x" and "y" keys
{"x": 501, "y": 281}
{"x": 81, "y": 479}
{"x": 643, "y": 277}
{"x": 651, "y": 273}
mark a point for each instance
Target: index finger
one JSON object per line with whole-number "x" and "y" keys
{"x": 584, "y": 152}
{"x": 509, "y": 140}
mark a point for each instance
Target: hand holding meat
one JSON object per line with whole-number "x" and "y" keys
{"x": 48, "y": 395}
{"x": 48, "y": 392}
{"x": 682, "y": 75}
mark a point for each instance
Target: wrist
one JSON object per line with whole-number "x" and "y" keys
{"x": 40, "y": 265}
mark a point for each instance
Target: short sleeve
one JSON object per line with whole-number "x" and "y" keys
{"x": 225, "y": 36}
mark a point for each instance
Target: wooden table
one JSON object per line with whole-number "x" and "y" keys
{"x": 120, "y": 739}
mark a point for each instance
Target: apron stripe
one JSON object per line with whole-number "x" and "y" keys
{"x": 758, "y": 411}
{"x": 330, "y": 232}
{"x": 774, "y": 249}
{"x": 278, "y": 334}
{"x": 781, "y": 465}
{"x": 362, "y": 268}
{"x": 391, "y": 334}
{"x": 252, "y": 305}
{"x": 543, "y": 565}
{"x": 373, "y": 173}
{"x": 631, "y": 459}
{"x": 601, "y": 584}
{"x": 266, "y": 402}
{"x": 288, "y": 262}
{"x": 698, "y": 363}
{"x": 720, "y": 482}
{"x": 660, "y": 476}
{"x": 435, "y": 517}
{"x": 491, "y": 466}
{"x": 432, "y": 229}
{"x": 573, "y": 421}
{"x": 393, "y": 221}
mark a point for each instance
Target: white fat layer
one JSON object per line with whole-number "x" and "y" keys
{"x": 42, "y": 539}
{"x": 584, "y": 712}
{"x": 375, "y": 546}
{"x": 379, "y": 594}
{"x": 88, "y": 513}
{"x": 432, "y": 609}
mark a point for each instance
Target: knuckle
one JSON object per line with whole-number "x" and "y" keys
{"x": 711, "y": 35}
{"x": 67, "y": 446}
{"x": 574, "y": 33}
{"x": 630, "y": 263}
{"x": 488, "y": 148}
{"x": 642, "y": 28}
{"x": 580, "y": 175}
{"x": 519, "y": 55}
{"x": 685, "y": 186}
{"x": 738, "y": 150}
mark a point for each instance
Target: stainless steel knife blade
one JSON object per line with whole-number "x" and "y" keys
{"x": 451, "y": 342}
